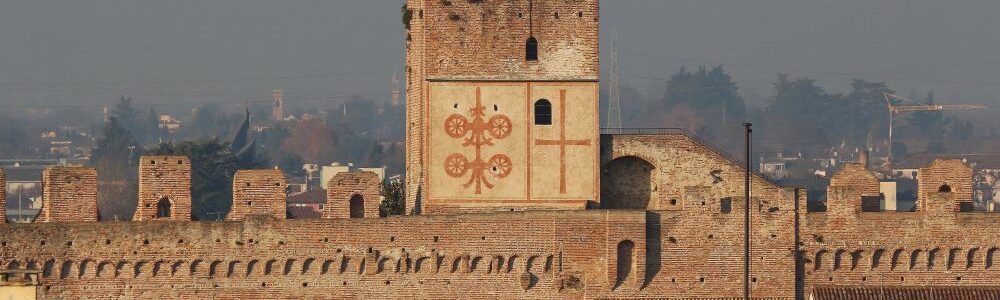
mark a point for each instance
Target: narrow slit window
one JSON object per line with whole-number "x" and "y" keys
{"x": 543, "y": 112}
{"x": 531, "y": 49}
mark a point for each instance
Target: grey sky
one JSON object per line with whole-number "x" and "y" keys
{"x": 238, "y": 50}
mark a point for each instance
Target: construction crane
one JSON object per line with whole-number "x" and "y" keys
{"x": 905, "y": 105}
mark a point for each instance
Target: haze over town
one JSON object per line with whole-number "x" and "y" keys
{"x": 191, "y": 69}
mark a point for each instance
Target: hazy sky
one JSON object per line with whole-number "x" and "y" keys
{"x": 186, "y": 52}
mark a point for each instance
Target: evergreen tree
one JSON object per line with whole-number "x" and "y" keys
{"x": 129, "y": 119}
{"x": 213, "y": 165}
{"x": 116, "y": 158}
{"x": 394, "y": 192}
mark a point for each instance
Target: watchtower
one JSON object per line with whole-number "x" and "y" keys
{"x": 164, "y": 188}
{"x": 501, "y": 105}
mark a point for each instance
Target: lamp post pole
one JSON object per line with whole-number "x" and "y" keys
{"x": 746, "y": 214}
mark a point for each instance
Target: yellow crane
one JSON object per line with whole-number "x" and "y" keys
{"x": 905, "y": 105}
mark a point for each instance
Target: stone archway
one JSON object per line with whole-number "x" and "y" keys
{"x": 627, "y": 183}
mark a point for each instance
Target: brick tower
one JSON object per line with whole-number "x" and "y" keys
{"x": 164, "y": 188}
{"x": 503, "y": 105}
{"x": 278, "y": 110}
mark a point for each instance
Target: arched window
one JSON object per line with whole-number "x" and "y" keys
{"x": 543, "y": 112}
{"x": 163, "y": 208}
{"x": 944, "y": 188}
{"x": 531, "y": 49}
{"x": 624, "y": 267}
{"x": 357, "y": 206}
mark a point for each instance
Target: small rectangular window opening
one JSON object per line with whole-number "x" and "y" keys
{"x": 726, "y": 205}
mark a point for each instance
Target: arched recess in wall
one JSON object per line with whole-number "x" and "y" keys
{"x": 164, "y": 208}
{"x": 531, "y": 49}
{"x": 628, "y": 182}
{"x": 357, "y": 206}
{"x": 624, "y": 262}
{"x": 543, "y": 112}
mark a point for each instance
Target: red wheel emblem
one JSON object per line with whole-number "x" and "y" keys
{"x": 477, "y": 132}
{"x": 456, "y": 126}
{"x": 500, "y": 126}
{"x": 456, "y": 165}
{"x": 500, "y": 165}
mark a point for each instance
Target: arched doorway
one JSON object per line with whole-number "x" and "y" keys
{"x": 627, "y": 183}
{"x": 357, "y": 206}
{"x": 163, "y": 208}
{"x": 624, "y": 262}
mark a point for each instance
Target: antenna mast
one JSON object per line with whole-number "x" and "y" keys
{"x": 614, "y": 103}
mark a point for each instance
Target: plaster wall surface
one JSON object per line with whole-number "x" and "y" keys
{"x": 439, "y": 39}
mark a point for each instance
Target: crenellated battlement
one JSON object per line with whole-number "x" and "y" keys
{"x": 69, "y": 194}
{"x": 684, "y": 240}
{"x": 164, "y": 188}
{"x": 258, "y": 192}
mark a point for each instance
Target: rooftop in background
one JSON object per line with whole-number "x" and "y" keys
{"x": 317, "y": 196}
{"x": 24, "y": 173}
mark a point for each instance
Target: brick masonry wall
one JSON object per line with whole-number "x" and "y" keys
{"x": 69, "y": 194}
{"x": 863, "y": 182}
{"x": 3, "y": 196}
{"x": 415, "y": 108}
{"x": 258, "y": 192}
{"x": 685, "y": 247}
{"x": 934, "y": 246}
{"x": 698, "y": 246}
{"x": 567, "y": 34}
{"x": 164, "y": 177}
{"x": 345, "y": 185}
{"x": 951, "y": 172}
{"x": 529, "y": 255}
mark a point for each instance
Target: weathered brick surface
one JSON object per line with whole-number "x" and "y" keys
{"x": 934, "y": 246}
{"x": 862, "y": 182}
{"x": 567, "y": 34}
{"x": 164, "y": 177}
{"x": 470, "y": 256}
{"x": 701, "y": 247}
{"x": 951, "y": 173}
{"x": 484, "y": 41}
{"x": 3, "y": 197}
{"x": 69, "y": 194}
{"x": 258, "y": 192}
{"x": 685, "y": 246}
{"x": 346, "y": 185}
{"x": 415, "y": 108}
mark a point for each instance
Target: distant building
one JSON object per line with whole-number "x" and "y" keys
{"x": 24, "y": 187}
{"x": 327, "y": 172}
{"x": 169, "y": 124}
{"x": 278, "y": 110}
{"x": 307, "y": 205}
{"x": 61, "y": 148}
